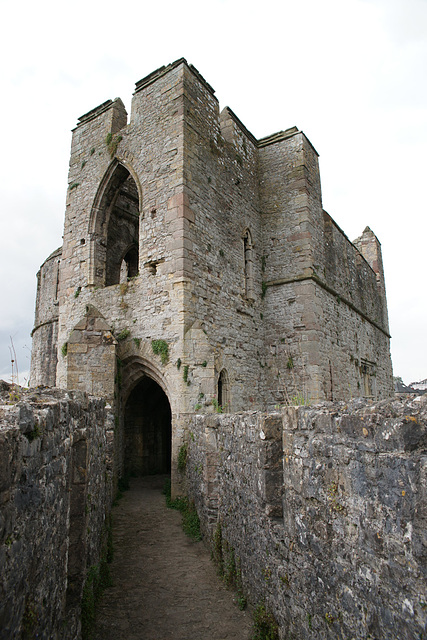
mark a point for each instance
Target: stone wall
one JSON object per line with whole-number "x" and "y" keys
{"x": 56, "y": 478}
{"x": 44, "y": 352}
{"x": 325, "y": 509}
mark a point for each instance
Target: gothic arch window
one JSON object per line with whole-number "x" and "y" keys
{"x": 223, "y": 390}
{"x": 114, "y": 228}
{"x": 248, "y": 262}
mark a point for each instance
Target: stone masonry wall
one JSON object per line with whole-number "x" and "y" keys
{"x": 45, "y": 332}
{"x": 222, "y": 182}
{"x": 56, "y": 477}
{"x": 324, "y": 509}
{"x": 321, "y": 343}
{"x": 323, "y": 299}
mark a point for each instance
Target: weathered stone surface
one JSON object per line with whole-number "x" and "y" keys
{"x": 56, "y": 477}
{"x": 181, "y": 226}
{"x": 347, "y": 557}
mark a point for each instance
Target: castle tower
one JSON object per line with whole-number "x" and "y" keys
{"x": 199, "y": 272}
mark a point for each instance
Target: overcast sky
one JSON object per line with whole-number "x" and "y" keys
{"x": 350, "y": 73}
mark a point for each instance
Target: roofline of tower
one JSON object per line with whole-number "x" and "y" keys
{"x": 283, "y": 135}
{"x": 94, "y": 113}
{"x": 241, "y": 125}
{"x": 161, "y": 71}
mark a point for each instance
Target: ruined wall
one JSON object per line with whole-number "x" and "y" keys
{"x": 325, "y": 509}
{"x": 56, "y": 478}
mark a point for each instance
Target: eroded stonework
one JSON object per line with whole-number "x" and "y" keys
{"x": 182, "y": 228}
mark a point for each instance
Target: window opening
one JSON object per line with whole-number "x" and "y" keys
{"x": 115, "y": 230}
{"x": 367, "y": 370}
{"x": 223, "y": 389}
{"x": 248, "y": 257}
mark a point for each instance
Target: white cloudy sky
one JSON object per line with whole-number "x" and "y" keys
{"x": 350, "y": 73}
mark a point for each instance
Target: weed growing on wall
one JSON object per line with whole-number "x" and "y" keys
{"x": 33, "y": 434}
{"x": 265, "y": 625}
{"x": 218, "y": 407}
{"x": 294, "y": 383}
{"x": 97, "y": 579}
{"x": 124, "y": 333}
{"x": 182, "y": 457}
{"x": 228, "y": 565}
{"x": 185, "y": 374}
{"x": 161, "y": 348}
{"x": 190, "y": 519}
{"x": 112, "y": 143}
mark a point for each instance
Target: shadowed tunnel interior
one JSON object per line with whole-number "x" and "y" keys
{"x": 147, "y": 430}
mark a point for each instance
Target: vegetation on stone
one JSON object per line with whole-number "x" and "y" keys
{"x": 161, "y": 348}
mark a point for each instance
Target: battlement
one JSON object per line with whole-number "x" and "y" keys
{"x": 155, "y": 75}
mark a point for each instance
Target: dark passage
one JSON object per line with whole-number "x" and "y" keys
{"x": 147, "y": 430}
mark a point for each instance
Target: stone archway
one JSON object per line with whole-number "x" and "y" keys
{"x": 147, "y": 429}
{"x": 114, "y": 227}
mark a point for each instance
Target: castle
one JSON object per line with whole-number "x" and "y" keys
{"x": 199, "y": 272}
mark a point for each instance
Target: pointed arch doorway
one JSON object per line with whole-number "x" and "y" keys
{"x": 147, "y": 429}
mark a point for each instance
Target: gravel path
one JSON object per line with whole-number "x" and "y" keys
{"x": 165, "y": 586}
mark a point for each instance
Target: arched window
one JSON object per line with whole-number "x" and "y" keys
{"x": 223, "y": 391}
{"x": 114, "y": 228}
{"x": 248, "y": 258}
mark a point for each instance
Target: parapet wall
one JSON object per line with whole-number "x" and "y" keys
{"x": 56, "y": 478}
{"x": 325, "y": 509}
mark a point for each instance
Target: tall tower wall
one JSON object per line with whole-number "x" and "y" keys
{"x": 44, "y": 354}
{"x": 326, "y": 328}
{"x": 182, "y": 228}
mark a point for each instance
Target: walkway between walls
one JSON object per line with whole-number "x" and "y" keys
{"x": 165, "y": 586}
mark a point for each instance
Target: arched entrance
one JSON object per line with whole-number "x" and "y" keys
{"x": 147, "y": 429}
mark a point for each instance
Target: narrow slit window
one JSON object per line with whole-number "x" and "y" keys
{"x": 248, "y": 258}
{"x": 223, "y": 391}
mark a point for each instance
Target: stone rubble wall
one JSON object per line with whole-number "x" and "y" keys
{"x": 56, "y": 482}
{"x": 325, "y": 509}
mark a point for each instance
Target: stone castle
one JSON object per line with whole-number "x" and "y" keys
{"x": 199, "y": 272}
{"x": 200, "y": 275}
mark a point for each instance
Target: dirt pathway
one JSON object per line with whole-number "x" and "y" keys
{"x": 165, "y": 585}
